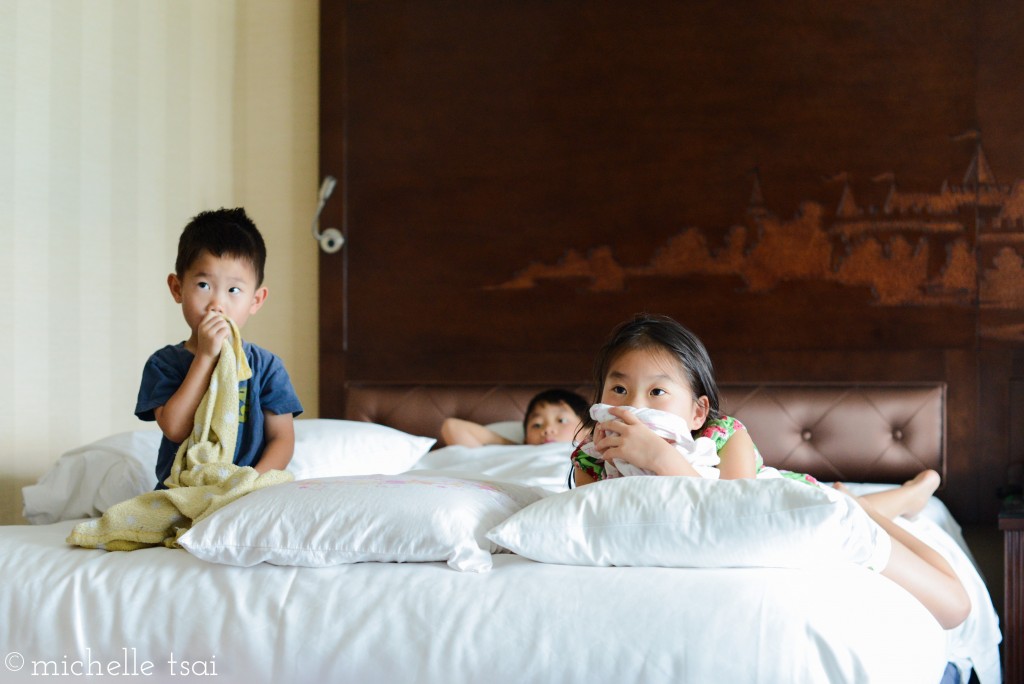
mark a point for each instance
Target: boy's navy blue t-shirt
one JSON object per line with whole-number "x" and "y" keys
{"x": 269, "y": 389}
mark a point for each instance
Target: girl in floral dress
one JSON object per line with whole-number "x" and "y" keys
{"x": 654, "y": 362}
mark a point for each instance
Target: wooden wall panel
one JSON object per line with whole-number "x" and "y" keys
{"x": 820, "y": 192}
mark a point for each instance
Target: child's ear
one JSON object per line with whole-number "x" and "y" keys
{"x": 175, "y": 286}
{"x": 701, "y": 408}
{"x": 258, "y": 298}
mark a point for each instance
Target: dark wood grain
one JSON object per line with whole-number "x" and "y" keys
{"x": 516, "y": 178}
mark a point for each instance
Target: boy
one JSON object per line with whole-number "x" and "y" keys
{"x": 218, "y": 274}
{"x": 552, "y": 416}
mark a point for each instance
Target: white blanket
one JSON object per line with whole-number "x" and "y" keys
{"x": 420, "y": 622}
{"x": 523, "y": 621}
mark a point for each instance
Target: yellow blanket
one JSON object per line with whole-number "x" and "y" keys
{"x": 203, "y": 477}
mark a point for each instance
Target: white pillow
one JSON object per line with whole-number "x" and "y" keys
{"x": 398, "y": 518}
{"x": 545, "y": 466}
{"x": 512, "y": 430}
{"x": 331, "y": 448}
{"x": 694, "y": 522}
{"x": 86, "y": 481}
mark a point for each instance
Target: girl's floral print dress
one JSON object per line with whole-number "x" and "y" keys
{"x": 719, "y": 430}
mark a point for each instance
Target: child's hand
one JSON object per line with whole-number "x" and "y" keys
{"x": 628, "y": 439}
{"x": 212, "y": 332}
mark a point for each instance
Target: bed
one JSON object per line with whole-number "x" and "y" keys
{"x": 269, "y": 594}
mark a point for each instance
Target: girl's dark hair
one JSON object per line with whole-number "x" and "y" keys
{"x": 647, "y": 331}
{"x": 575, "y": 402}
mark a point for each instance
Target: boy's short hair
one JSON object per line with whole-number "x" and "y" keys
{"x": 222, "y": 232}
{"x": 574, "y": 401}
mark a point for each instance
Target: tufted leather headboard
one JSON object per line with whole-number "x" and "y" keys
{"x": 863, "y": 432}
{"x": 857, "y": 433}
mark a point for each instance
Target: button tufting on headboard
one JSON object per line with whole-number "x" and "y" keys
{"x": 864, "y": 432}
{"x": 882, "y": 432}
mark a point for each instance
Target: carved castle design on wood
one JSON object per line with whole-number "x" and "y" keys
{"x": 961, "y": 246}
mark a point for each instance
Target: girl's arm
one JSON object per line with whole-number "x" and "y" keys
{"x": 279, "y": 435}
{"x": 467, "y": 433}
{"x": 738, "y": 459}
{"x": 629, "y": 439}
{"x": 580, "y": 476}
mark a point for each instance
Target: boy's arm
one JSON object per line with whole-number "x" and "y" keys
{"x": 177, "y": 417}
{"x": 279, "y": 435}
{"x": 455, "y": 431}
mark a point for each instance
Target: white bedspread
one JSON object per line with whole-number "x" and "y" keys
{"x": 161, "y": 615}
{"x": 70, "y": 610}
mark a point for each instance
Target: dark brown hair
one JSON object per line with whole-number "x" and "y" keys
{"x": 222, "y": 232}
{"x": 575, "y": 402}
{"x": 647, "y": 331}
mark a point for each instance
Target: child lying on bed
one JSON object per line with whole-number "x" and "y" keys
{"x": 655, "y": 363}
{"x": 554, "y": 415}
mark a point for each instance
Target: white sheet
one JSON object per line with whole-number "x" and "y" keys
{"x": 422, "y": 622}
{"x": 545, "y": 466}
{"x": 71, "y": 609}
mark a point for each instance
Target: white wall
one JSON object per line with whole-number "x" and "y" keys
{"x": 119, "y": 120}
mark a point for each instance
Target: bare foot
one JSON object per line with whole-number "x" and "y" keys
{"x": 907, "y": 500}
{"x": 918, "y": 491}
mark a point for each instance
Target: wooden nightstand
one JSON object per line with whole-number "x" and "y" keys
{"x": 1011, "y": 522}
